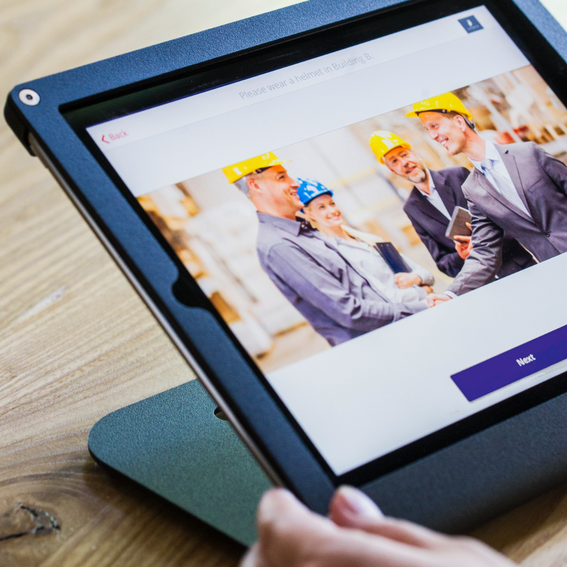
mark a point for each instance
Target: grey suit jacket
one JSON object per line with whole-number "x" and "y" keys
{"x": 431, "y": 225}
{"x": 541, "y": 181}
{"x": 324, "y": 287}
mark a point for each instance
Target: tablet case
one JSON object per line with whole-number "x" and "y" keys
{"x": 176, "y": 446}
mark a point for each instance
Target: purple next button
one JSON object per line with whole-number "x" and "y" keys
{"x": 513, "y": 365}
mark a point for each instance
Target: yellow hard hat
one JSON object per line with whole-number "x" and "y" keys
{"x": 447, "y": 102}
{"x": 382, "y": 142}
{"x": 239, "y": 170}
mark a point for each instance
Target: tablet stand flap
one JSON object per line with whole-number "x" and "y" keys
{"x": 174, "y": 445}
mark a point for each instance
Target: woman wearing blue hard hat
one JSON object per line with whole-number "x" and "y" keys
{"x": 362, "y": 249}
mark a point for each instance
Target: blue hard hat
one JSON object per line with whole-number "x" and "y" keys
{"x": 309, "y": 189}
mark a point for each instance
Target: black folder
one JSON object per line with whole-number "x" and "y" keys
{"x": 393, "y": 258}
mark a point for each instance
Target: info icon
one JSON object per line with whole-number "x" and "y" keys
{"x": 471, "y": 24}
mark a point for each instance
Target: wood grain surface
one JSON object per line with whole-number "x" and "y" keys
{"x": 76, "y": 342}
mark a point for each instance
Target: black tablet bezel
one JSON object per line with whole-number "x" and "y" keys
{"x": 283, "y": 447}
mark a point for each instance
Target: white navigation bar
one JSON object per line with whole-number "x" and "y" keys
{"x": 199, "y": 107}
{"x": 192, "y": 136}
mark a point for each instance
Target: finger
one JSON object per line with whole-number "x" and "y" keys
{"x": 404, "y": 532}
{"x": 292, "y": 536}
{"x": 356, "y": 548}
{"x": 349, "y": 504}
{"x": 288, "y": 531}
{"x": 351, "y": 508}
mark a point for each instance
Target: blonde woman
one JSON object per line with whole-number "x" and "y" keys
{"x": 359, "y": 248}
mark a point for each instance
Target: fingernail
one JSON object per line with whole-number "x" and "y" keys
{"x": 355, "y": 503}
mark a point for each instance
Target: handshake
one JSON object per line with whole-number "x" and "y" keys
{"x": 434, "y": 299}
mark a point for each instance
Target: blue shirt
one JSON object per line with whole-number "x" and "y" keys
{"x": 325, "y": 288}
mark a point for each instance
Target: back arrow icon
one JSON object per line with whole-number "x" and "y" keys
{"x": 105, "y": 140}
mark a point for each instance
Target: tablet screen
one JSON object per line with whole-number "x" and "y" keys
{"x": 312, "y": 203}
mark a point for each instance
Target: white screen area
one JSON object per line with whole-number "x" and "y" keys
{"x": 366, "y": 397}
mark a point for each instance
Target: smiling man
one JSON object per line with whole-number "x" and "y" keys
{"x": 432, "y": 200}
{"x": 335, "y": 298}
{"x": 431, "y": 204}
{"x": 519, "y": 190}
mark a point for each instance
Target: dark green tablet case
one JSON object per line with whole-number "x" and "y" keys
{"x": 176, "y": 446}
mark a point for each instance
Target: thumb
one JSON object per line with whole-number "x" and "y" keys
{"x": 288, "y": 531}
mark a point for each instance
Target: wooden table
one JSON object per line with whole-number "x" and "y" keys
{"x": 76, "y": 342}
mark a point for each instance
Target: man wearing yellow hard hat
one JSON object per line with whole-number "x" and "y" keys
{"x": 310, "y": 271}
{"x": 517, "y": 190}
{"x": 431, "y": 204}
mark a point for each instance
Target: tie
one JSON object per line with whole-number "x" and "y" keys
{"x": 503, "y": 185}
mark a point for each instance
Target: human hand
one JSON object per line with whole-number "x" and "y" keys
{"x": 404, "y": 280}
{"x": 463, "y": 244}
{"x": 356, "y": 534}
{"x": 435, "y": 299}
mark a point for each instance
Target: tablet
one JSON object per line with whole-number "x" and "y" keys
{"x": 374, "y": 120}
{"x": 458, "y": 225}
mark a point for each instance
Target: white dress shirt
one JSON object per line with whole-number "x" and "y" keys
{"x": 512, "y": 195}
{"x": 369, "y": 263}
{"x": 434, "y": 198}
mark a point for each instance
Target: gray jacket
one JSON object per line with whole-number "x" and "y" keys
{"x": 308, "y": 269}
{"x": 541, "y": 181}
